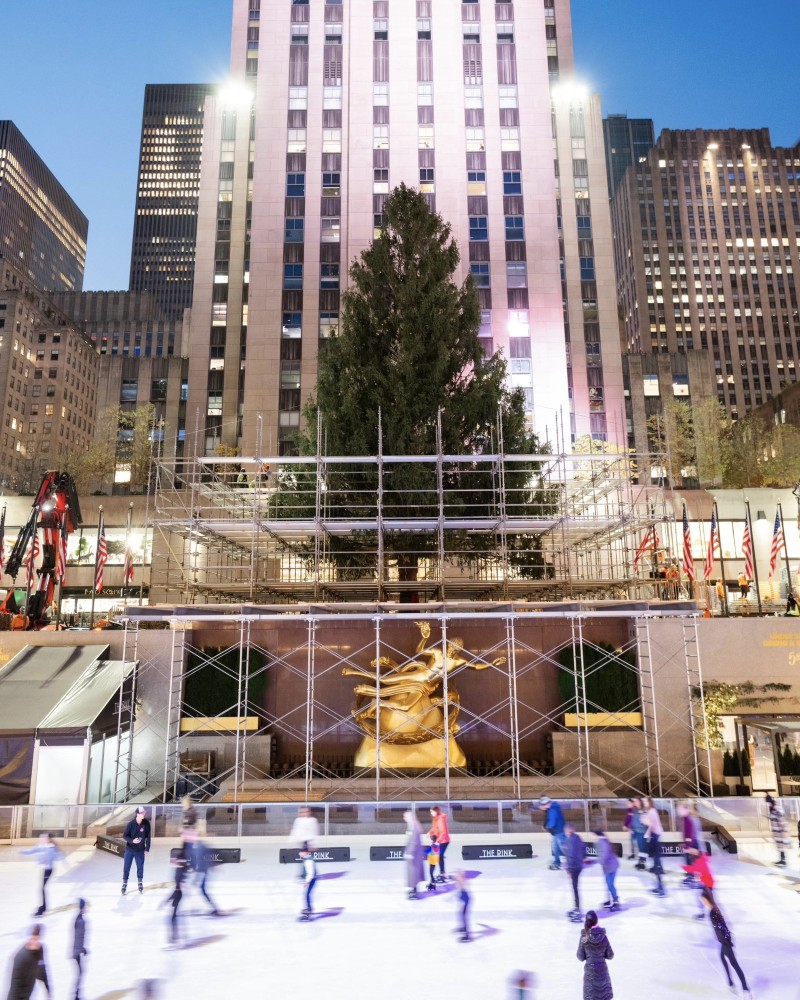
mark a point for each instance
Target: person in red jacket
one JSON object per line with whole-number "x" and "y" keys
{"x": 440, "y": 831}
{"x": 701, "y": 869}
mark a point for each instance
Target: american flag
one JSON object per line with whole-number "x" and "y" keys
{"x": 61, "y": 555}
{"x": 102, "y": 558}
{"x": 127, "y": 569}
{"x": 2, "y": 540}
{"x": 30, "y": 563}
{"x": 688, "y": 558}
{"x": 778, "y": 543}
{"x": 747, "y": 549}
{"x": 648, "y": 544}
{"x": 713, "y": 547}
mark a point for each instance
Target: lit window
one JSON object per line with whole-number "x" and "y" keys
{"x": 331, "y": 140}
{"x": 475, "y": 140}
{"x": 298, "y": 98}
{"x": 476, "y": 182}
{"x": 380, "y": 136}
{"x": 473, "y": 97}
{"x": 330, "y": 230}
{"x": 291, "y": 326}
{"x": 509, "y": 140}
{"x": 424, "y": 93}
{"x": 296, "y": 140}
{"x": 508, "y": 97}
{"x": 426, "y": 180}
{"x": 332, "y": 98}
{"x": 380, "y": 94}
{"x": 328, "y": 324}
{"x": 425, "y": 139}
{"x": 380, "y": 180}
{"x": 650, "y": 385}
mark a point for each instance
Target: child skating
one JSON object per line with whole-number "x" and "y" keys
{"x": 464, "y": 899}
{"x": 309, "y": 880}
{"x": 433, "y": 864}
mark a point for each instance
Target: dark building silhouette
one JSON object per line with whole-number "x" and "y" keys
{"x": 628, "y": 141}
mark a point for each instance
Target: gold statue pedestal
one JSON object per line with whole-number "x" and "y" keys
{"x": 430, "y": 755}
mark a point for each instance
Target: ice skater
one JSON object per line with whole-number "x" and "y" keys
{"x": 309, "y": 880}
{"x": 609, "y": 862}
{"x": 441, "y": 832}
{"x": 692, "y": 836}
{"x": 700, "y": 869}
{"x": 413, "y": 853}
{"x": 47, "y": 854}
{"x": 464, "y": 899}
{"x": 627, "y": 827}
{"x": 181, "y": 863}
{"x": 137, "y": 846}
{"x": 28, "y": 968}
{"x": 725, "y": 938}
{"x": 639, "y": 829}
{"x": 575, "y": 851}
{"x": 554, "y": 824}
{"x": 433, "y": 863}
{"x": 201, "y": 862}
{"x": 305, "y": 829}
{"x": 653, "y": 835}
{"x": 594, "y": 950}
{"x": 777, "y": 821}
{"x": 79, "y": 950}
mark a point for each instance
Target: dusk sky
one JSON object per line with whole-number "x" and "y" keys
{"x": 75, "y": 75}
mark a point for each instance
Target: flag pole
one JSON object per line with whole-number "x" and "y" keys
{"x": 753, "y": 553}
{"x": 785, "y": 552}
{"x": 96, "y": 556}
{"x": 721, "y": 563}
{"x": 128, "y": 552}
{"x": 62, "y": 536}
{"x": 687, "y": 555}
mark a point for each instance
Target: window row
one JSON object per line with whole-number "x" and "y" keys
{"x": 516, "y": 274}
{"x": 479, "y": 228}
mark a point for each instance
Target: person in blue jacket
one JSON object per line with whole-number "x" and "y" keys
{"x": 137, "y": 845}
{"x": 554, "y": 824}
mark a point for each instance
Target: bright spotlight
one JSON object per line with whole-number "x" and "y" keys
{"x": 235, "y": 94}
{"x": 570, "y": 92}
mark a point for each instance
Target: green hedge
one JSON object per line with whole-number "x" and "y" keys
{"x": 612, "y": 682}
{"x": 211, "y": 689}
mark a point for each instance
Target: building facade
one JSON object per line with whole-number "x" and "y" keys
{"x": 707, "y": 246}
{"x": 627, "y": 141}
{"x": 301, "y": 153}
{"x": 165, "y": 225}
{"x": 131, "y": 324}
{"x": 51, "y": 373}
{"x": 42, "y": 230}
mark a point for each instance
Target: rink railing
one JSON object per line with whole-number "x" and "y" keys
{"x": 746, "y": 815}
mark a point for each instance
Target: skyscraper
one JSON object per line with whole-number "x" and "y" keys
{"x": 164, "y": 232}
{"x": 628, "y": 141}
{"x": 707, "y": 244}
{"x": 42, "y": 230}
{"x": 300, "y": 156}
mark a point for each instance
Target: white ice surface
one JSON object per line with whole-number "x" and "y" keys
{"x": 371, "y": 942}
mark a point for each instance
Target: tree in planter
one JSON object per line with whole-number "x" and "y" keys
{"x": 720, "y": 699}
{"x": 611, "y": 680}
{"x": 407, "y": 364}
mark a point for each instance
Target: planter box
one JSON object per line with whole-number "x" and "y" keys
{"x": 603, "y": 720}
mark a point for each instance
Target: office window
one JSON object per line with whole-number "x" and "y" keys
{"x": 478, "y": 228}
{"x": 380, "y": 136}
{"x": 295, "y": 230}
{"x": 291, "y": 326}
{"x": 508, "y": 97}
{"x": 587, "y": 268}
{"x": 299, "y": 34}
{"x": 378, "y": 222}
{"x": 515, "y": 228}
{"x": 380, "y": 94}
{"x": 380, "y": 180}
{"x": 426, "y": 180}
{"x": 381, "y": 29}
{"x": 330, "y": 230}
{"x": 292, "y": 276}
{"x": 332, "y": 98}
{"x": 298, "y": 98}
{"x": 128, "y": 391}
{"x": 333, "y": 34}
{"x": 425, "y": 136}
{"x": 509, "y": 140}
{"x": 476, "y": 182}
{"x": 295, "y": 185}
{"x": 480, "y": 274}
{"x": 331, "y": 140}
{"x": 329, "y": 276}
{"x": 424, "y": 94}
{"x": 475, "y": 140}
{"x": 512, "y": 182}
{"x": 473, "y": 97}
{"x": 296, "y": 140}
{"x": 516, "y": 274}
{"x": 328, "y": 324}
{"x": 505, "y": 31}
{"x": 423, "y": 27}
{"x": 331, "y": 184}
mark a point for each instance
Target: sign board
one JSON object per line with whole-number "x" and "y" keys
{"x": 495, "y": 852}
{"x": 291, "y": 855}
{"x": 216, "y": 855}
{"x": 114, "y": 845}
{"x": 386, "y": 853}
{"x": 675, "y": 848}
{"x": 591, "y": 849}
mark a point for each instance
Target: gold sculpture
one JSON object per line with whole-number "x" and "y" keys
{"x": 402, "y": 706}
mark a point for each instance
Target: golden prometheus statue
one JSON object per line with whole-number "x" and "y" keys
{"x": 402, "y": 706}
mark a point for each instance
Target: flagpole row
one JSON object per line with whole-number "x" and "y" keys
{"x": 748, "y": 551}
{"x": 785, "y": 552}
{"x": 100, "y": 559}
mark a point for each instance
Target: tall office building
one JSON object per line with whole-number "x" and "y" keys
{"x": 42, "y": 230}
{"x": 298, "y": 159}
{"x": 164, "y": 232}
{"x": 628, "y": 141}
{"x": 707, "y": 245}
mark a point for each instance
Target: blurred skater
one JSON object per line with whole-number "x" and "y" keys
{"x": 309, "y": 880}
{"x": 137, "y": 846}
{"x": 725, "y": 938}
{"x": 441, "y": 832}
{"x": 180, "y": 861}
{"x": 522, "y": 984}
{"x": 639, "y": 829}
{"x": 305, "y": 829}
{"x": 413, "y": 853}
{"x": 594, "y": 950}
{"x": 700, "y": 869}
{"x": 554, "y": 824}
{"x": 653, "y": 835}
{"x": 627, "y": 827}
{"x": 464, "y": 899}
{"x": 201, "y": 862}
{"x": 28, "y": 968}
{"x": 609, "y": 862}
{"x": 46, "y": 853}
{"x": 79, "y": 950}
{"x": 777, "y": 821}
{"x": 692, "y": 836}
{"x": 575, "y": 851}
{"x": 433, "y": 863}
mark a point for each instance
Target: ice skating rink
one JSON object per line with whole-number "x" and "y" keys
{"x": 368, "y": 940}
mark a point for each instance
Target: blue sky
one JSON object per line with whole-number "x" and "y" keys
{"x": 75, "y": 73}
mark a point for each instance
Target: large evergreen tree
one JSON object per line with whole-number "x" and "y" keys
{"x": 409, "y": 348}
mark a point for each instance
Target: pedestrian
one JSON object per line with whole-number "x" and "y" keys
{"x": 744, "y": 585}
{"x": 28, "y": 968}
{"x": 700, "y": 867}
{"x": 609, "y": 862}
{"x": 554, "y": 824}
{"x": 413, "y": 853}
{"x": 305, "y": 829}
{"x": 440, "y": 831}
{"x": 639, "y": 829}
{"x": 692, "y": 836}
{"x": 189, "y": 813}
{"x": 137, "y": 845}
{"x": 575, "y": 853}
{"x": 777, "y": 820}
{"x": 792, "y": 608}
{"x": 594, "y": 950}
{"x": 464, "y": 899}
{"x": 47, "y": 854}
{"x": 725, "y": 938}
{"x": 309, "y": 880}
{"x": 79, "y": 950}
{"x": 627, "y": 826}
{"x": 181, "y": 863}
{"x": 653, "y": 835}
{"x": 433, "y": 862}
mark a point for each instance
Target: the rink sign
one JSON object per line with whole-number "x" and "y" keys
{"x": 291, "y": 855}
{"x": 496, "y": 852}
